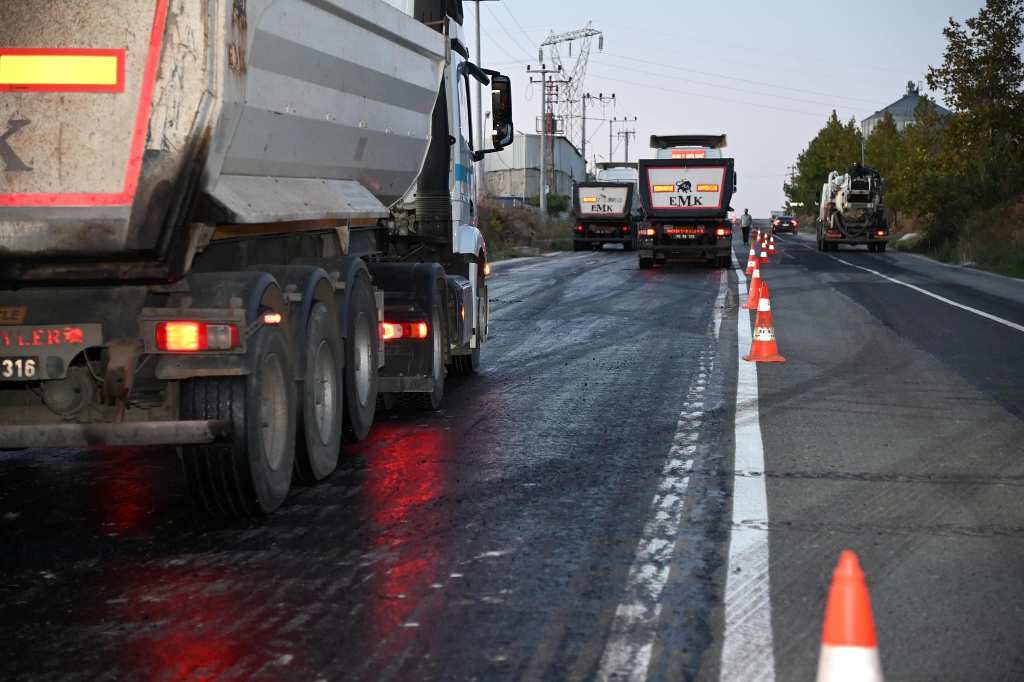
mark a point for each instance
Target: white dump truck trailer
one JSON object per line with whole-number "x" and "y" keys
{"x": 234, "y": 225}
{"x": 686, "y": 193}
{"x": 606, "y": 210}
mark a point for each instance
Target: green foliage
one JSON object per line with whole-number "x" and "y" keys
{"x": 835, "y": 147}
{"x": 556, "y": 203}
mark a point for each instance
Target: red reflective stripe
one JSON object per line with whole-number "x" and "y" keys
{"x": 131, "y": 179}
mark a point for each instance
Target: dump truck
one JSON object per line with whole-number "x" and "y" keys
{"x": 605, "y": 210}
{"x": 852, "y": 210}
{"x": 686, "y": 191}
{"x": 234, "y": 226}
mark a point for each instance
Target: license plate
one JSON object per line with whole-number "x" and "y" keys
{"x": 684, "y": 236}
{"x": 18, "y": 369}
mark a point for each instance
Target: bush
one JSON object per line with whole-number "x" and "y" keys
{"x": 509, "y": 231}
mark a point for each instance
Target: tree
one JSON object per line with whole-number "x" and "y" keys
{"x": 982, "y": 78}
{"x": 835, "y": 147}
{"x": 884, "y": 152}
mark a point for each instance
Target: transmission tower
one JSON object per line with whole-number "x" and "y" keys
{"x": 569, "y": 103}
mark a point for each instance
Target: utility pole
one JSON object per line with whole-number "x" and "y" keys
{"x": 626, "y": 134}
{"x": 600, "y": 99}
{"x": 479, "y": 102}
{"x": 543, "y": 70}
{"x": 611, "y": 127}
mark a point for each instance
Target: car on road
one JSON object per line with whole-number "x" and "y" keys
{"x": 785, "y": 223}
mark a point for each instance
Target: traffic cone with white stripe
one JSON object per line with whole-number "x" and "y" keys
{"x": 755, "y": 290}
{"x": 764, "y": 252}
{"x": 764, "y": 347}
{"x": 849, "y": 646}
{"x": 771, "y": 245}
{"x": 752, "y": 262}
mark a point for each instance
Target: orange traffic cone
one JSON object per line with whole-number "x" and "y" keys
{"x": 764, "y": 347}
{"x": 849, "y": 647}
{"x": 752, "y": 262}
{"x": 764, "y": 253}
{"x": 755, "y": 290}
{"x": 771, "y": 245}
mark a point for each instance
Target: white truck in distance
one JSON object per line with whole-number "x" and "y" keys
{"x": 852, "y": 211}
{"x": 232, "y": 226}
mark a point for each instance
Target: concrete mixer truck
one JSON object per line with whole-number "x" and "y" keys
{"x": 852, "y": 211}
{"x": 231, "y": 226}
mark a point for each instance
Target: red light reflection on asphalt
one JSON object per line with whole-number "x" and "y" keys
{"x": 405, "y": 481}
{"x": 124, "y": 491}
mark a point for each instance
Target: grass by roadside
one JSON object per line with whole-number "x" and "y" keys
{"x": 512, "y": 232}
{"x": 991, "y": 240}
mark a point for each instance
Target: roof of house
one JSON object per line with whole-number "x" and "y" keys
{"x": 905, "y": 106}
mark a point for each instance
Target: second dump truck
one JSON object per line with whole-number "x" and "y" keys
{"x": 231, "y": 226}
{"x": 686, "y": 191}
{"x": 606, "y": 210}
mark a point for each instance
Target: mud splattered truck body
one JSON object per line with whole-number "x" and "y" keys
{"x": 233, "y": 225}
{"x": 686, "y": 192}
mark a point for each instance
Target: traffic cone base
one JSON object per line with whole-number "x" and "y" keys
{"x": 849, "y": 664}
{"x": 849, "y": 646}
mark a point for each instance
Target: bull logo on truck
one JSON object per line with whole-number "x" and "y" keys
{"x": 12, "y": 163}
{"x": 684, "y": 186}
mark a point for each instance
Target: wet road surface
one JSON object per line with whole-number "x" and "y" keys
{"x": 569, "y": 512}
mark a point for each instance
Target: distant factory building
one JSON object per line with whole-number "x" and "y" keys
{"x": 902, "y": 111}
{"x": 514, "y": 172}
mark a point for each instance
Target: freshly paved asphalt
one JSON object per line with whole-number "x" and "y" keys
{"x": 494, "y": 539}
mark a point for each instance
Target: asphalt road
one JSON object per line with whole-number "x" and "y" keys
{"x": 569, "y": 513}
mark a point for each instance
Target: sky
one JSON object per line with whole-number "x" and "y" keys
{"x": 766, "y": 74}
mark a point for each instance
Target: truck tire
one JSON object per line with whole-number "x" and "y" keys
{"x": 628, "y": 246}
{"x": 646, "y": 263}
{"x": 580, "y": 246}
{"x": 431, "y": 402}
{"x": 361, "y": 353}
{"x": 322, "y": 401}
{"x": 881, "y": 247}
{"x": 251, "y": 475}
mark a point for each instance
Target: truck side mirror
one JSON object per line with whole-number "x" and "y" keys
{"x": 735, "y": 181}
{"x": 501, "y": 110}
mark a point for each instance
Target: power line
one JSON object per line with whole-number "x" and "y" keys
{"x": 677, "y": 68}
{"x": 494, "y": 16}
{"x": 516, "y": 22}
{"x": 727, "y": 87}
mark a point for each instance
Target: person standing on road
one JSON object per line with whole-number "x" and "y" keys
{"x": 745, "y": 223}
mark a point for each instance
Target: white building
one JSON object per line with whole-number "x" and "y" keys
{"x": 902, "y": 111}
{"x": 514, "y": 172}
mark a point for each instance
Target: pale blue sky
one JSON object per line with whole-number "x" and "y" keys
{"x": 702, "y": 66}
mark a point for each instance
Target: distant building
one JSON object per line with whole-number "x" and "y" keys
{"x": 902, "y": 111}
{"x": 514, "y": 172}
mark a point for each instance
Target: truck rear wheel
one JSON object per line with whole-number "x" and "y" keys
{"x": 251, "y": 475}
{"x": 361, "y": 346}
{"x": 320, "y": 421}
{"x": 577, "y": 245}
{"x": 646, "y": 263}
{"x": 881, "y": 247}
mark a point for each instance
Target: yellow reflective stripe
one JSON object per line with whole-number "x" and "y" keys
{"x": 57, "y": 69}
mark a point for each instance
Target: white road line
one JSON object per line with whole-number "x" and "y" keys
{"x": 961, "y": 306}
{"x": 747, "y": 647}
{"x": 627, "y": 654}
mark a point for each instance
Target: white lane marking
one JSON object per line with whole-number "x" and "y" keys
{"x": 961, "y": 306}
{"x": 627, "y": 654}
{"x": 747, "y": 647}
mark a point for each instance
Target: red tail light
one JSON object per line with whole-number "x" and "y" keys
{"x": 625, "y": 228}
{"x": 647, "y": 232}
{"x": 393, "y": 331}
{"x": 185, "y": 336}
{"x": 880, "y": 233}
{"x": 579, "y": 228}
{"x": 723, "y": 232}
{"x": 796, "y": 224}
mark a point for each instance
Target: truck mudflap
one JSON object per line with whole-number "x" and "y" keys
{"x": 124, "y": 434}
